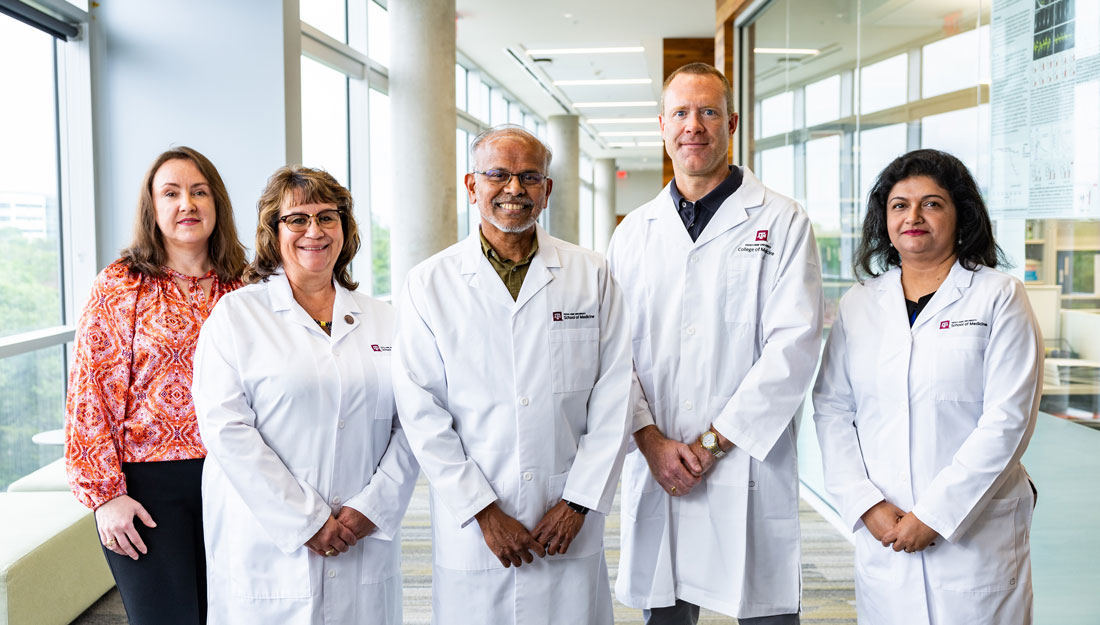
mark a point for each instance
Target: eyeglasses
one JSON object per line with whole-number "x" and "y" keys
{"x": 299, "y": 222}
{"x": 501, "y": 177}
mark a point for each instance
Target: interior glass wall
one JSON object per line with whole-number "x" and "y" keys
{"x": 1011, "y": 87}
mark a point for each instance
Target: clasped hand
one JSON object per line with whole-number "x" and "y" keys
{"x": 677, "y": 467}
{"x": 340, "y": 532}
{"x": 898, "y": 529}
{"x": 513, "y": 545}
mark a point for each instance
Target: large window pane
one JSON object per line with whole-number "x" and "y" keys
{"x": 883, "y": 84}
{"x": 777, "y": 167}
{"x": 378, "y": 33}
{"x": 32, "y": 400}
{"x": 325, "y": 119}
{"x": 460, "y": 87}
{"x": 777, "y": 114}
{"x": 823, "y": 100}
{"x": 328, "y": 16}
{"x": 964, "y": 133}
{"x": 877, "y": 147}
{"x": 381, "y": 182}
{"x": 498, "y": 113}
{"x": 941, "y": 71}
{"x": 30, "y": 285}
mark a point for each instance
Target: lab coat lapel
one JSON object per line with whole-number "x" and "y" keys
{"x": 539, "y": 273}
{"x": 283, "y": 303}
{"x": 480, "y": 274}
{"x": 891, "y": 298}
{"x": 734, "y": 210}
{"x": 662, "y": 211}
{"x": 344, "y": 309}
{"x": 948, "y": 293}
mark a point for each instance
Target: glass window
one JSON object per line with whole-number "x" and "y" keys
{"x": 958, "y": 132}
{"x": 823, "y": 201}
{"x": 823, "y": 100}
{"x": 777, "y": 114}
{"x": 460, "y": 87}
{"x": 498, "y": 113}
{"x": 325, "y": 119}
{"x": 877, "y": 147}
{"x": 378, "y": 33}
{"x": 515, "y": 114}
{"x": 883, "y": 84}
{"x": 777, "y": 165}
{"x": 30, "y": 265}
{"x": 32, "y": 400}
{"x": 381, "y": 182}
{"x": 941, "y": 71}
{"x": 327, "y": 16}
{"x": 486, "y": 97}
{"x": 530, "y": 122}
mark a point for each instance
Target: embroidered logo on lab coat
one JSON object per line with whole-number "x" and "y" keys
{"x": 381, "y": 348}
{"x": 560, "y": 316}
{"x": 761, "y": 235}
{"x": 947, "y": 325}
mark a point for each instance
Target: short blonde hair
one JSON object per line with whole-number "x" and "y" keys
{"x": 700, "y": 69}
{"x": 292, "y": 186}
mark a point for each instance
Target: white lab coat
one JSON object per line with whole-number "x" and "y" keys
{"x": 971, "y": 369}
{"x": 299, "y": 424}
{"x": 520, "y": 402}
{"x": 726, "y": 330}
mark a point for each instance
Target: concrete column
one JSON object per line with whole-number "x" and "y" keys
{"x": 422, "y": 105}
{"x": 563, "y": 132}
{"x": 604, "y": 203}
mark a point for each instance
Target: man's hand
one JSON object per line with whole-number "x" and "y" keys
{"x": 332, "y": 539}
{"x": 507, "y": 538}
{"x": 355, "y": 521}
{"x": 910, "y": 535}
{"x": 673, "y": 464}
{"x": 558, "y": 528}
{"x": 705, "y": 458}
{"x": 115, "y": 520}
{"x": 881, "y": 518}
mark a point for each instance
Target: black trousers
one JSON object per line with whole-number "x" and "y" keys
{"x": 167, "y": 585}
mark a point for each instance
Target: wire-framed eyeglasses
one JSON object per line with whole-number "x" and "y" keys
{"x": 502, "y": 177}
{"x": 326, "y": 220}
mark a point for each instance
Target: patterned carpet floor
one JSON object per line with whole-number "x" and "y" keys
{"x": 828, "y": 593}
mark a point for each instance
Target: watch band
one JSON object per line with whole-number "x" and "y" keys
{"x": 714, "y": 448}
{"x": 578, "y": 508}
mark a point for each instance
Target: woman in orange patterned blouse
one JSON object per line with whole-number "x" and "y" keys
{"x": 132, "y": 446}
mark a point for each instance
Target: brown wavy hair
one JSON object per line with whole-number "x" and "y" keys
{"x": 295, "y": 185}
{"x": 146, "y": 254}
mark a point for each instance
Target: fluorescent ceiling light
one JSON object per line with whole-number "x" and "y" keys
{"x": 628, "y": 133}
{"x": 650, "y": 144}
{"x": 810, "y": 51}
{"x": 611, "y": 105}
{"x": 623, "y": 120}
{"x": 558, "y": 51}
{"x": 603, "y": 81}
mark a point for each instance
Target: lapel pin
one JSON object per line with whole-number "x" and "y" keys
{"x": 349, "y": 319}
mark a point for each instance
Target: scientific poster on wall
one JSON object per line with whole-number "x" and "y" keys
{"x": 1045, "y": 101}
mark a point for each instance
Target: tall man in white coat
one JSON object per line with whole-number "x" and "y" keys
{"x": 512, "y": 377}
{"x": 723, "y": 283}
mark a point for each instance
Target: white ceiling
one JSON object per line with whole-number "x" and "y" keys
{"x": 486, "y": 29}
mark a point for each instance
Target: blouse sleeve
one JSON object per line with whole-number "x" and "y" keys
{"x": 99, "y": 382}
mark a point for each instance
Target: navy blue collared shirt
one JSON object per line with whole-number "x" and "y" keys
{"x": 696, "y": 215}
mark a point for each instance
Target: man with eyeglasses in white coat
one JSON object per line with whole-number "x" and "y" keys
{"x": 512, "y": 378}
{"x": 723, "y": 283}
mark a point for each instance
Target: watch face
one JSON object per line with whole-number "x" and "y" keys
{"x": 710, "y": 439}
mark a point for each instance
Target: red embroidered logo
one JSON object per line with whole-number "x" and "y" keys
{"x": 376, "y": 348}
{"x": 557, "y": 316}
{"x": 945, "y": 325}
{"x": 761, "y": 235}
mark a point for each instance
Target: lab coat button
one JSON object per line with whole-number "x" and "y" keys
{"x": 524, "y": 401}
{"x": 694, "y": 258}
{"x": 527, "y": 476}
{"x": 331, "y": 573}
{"x": 691, "y": 330}
{"x": 687, "y": 405}
{"x": 1012, "y": 582}
{"x": 335, "y": 500}
{"x": 340, "y": 424}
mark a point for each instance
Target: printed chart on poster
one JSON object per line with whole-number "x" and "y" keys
{"x": 1045, "y": 101}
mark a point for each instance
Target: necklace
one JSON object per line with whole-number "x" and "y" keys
{"x": 325, "y": 325}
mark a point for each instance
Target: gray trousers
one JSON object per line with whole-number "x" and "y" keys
{"x": 684, "y": 613}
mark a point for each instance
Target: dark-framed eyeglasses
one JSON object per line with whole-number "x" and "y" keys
{"x": 502, "y": 177}
{"x": 326, "y": 220}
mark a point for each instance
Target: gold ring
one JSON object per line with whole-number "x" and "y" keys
{"x": 330, "y": 552}
{"x": 110, "y": 543}
{"x": 672, "y": 490}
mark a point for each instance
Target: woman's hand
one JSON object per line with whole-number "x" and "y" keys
{"x": 910, "y": 535}
{"x": 355, "y": 521}
{"x": 332, "y": 539}
{"x": 115, "y": 521}
{"x": 881, "y": 518}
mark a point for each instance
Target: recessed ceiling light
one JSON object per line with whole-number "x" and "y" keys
{"x": 650, "y": 144}
{"x": 609, "y": 105}
{"x": 632, "y": 133}
{"x": 558, "y": 51}
{"x": 623, "y": 120}
{"x": 810, "y": 51}
{"x": 603, "y": 81}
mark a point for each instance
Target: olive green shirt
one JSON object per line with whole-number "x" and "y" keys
{"x": 512, "y": 273}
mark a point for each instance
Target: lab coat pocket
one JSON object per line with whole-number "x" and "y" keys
{"x": 642, "y": 495}
{"x": 257, "y": 568}
{"x": 872, "y": 559}
{"x": 589, "y": 539}
{"x": 984, "y": 559}
{"x": 959, "y": 369}
{"x": 574, "y": 358}
{"x": 742, "y": 285}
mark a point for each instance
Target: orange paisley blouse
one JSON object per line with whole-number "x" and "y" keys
{"x": 130, "y": 384}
